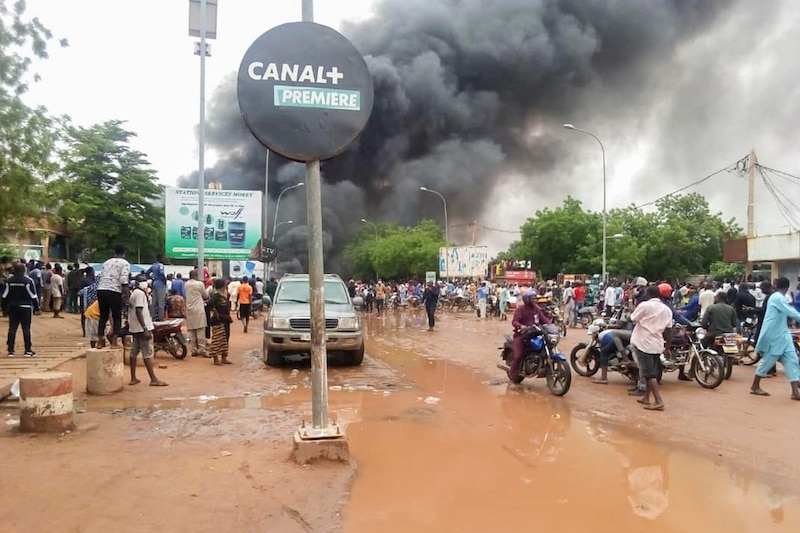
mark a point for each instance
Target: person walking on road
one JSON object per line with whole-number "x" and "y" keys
{"x": 483, "y": 295}
{"x": 20, "y": 301}
{"x": 502, "y": 300}
{"x": 380, "y": 297}
{"x": 430, "y": 297}
{"x": 775, "y": 342}
{"x": 111, "y": 289}
{"x": 140, "y": 325}
{"x": 653, "y": 320}
{"x": 233, "y": 293}
{"x": 57, "y": 289}
{"x": 220, "y": 311}
{"x": 196, "y": 314}
{"x": 245, "y": 292}
{"x": 568, "y": 297}
{"x": 47, "y": 296}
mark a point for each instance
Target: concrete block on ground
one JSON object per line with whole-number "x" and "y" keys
{"x": 45, "y": 402}
{"x": 308, "y": 451}
{"x": 105, "y": 372}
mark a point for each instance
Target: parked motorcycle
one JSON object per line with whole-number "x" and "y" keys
{"x": 413, "y": 301}
{"x": 586, "y": 316}
{"x": 168, "y": 336}
{"x": 540, "y": 359}
{"x": 553, "y": 312}
{"x": 256, "y": 306}
{"x": 687, "y": 350}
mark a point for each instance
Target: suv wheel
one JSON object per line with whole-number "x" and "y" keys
{"x": 354, "y": 358}
{"x": 274, "y": 358}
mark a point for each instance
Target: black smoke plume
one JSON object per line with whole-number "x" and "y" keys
{"x": 466, "y": 95}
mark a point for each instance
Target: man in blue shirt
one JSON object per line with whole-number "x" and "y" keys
{"x": 179, "y": 285}
{"x": 156, "y": 273}
{"x": 775, "y": 342}
{"x": 483, "y": 295}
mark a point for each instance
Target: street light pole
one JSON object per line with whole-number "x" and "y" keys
{"x": 446, "y": 240}
{"x": 605, "y": 214}
{"x": 278, "y": 205}
{"x": 268, "y": 266}
{"x": 375, "y": 227}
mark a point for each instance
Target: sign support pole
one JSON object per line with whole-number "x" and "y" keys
{"x": 201, "y": 185}
{"x": 266, "y": 217}
{"x": 319, "y": 358}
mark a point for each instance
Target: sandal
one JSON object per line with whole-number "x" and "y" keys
{"x": 759, "y": 392}
{"x": 656, "y": 407}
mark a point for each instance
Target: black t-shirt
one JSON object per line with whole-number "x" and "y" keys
{"x": 744, "y": 299}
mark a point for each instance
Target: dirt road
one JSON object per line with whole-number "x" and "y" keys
{"x": 440, "y": 442}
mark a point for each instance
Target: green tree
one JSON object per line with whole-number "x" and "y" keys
{"x": 397, "y": 252}
{"x": 681, "y": 237}
{"x": 108, "y": 194}
{"x": 721, "y": 271}
{"x": 27, "y": 134}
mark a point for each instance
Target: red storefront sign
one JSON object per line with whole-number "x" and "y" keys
{"x": 520, "y": 276}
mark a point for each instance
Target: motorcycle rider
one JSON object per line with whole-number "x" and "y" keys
{"x": 719, "y": 319}
{"x": 526, "y": 315}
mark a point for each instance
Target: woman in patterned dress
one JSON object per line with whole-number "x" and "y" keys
{"x": 220, "y": 310}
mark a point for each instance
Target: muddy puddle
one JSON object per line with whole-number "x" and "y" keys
{"x": 459, "y": 453}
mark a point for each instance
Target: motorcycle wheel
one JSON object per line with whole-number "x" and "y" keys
{"x": 177, "y": 350}
{"x": 747, "y": 355}
{"x": 559, "y": 377}
{"x": 447, "y": 304}
{"x": 728, "y": 367}
{"x": 255, "y": 313}
{"x": 715, "y": 373}
{"x": 590, "y": 366}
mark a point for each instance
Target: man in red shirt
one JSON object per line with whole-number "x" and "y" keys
{"x": 245, "y": 292}
{"x": 580, "y": 298}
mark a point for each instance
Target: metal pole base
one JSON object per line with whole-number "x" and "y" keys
{"x": 328, "y": 444}
{"x": 332, "y": 431}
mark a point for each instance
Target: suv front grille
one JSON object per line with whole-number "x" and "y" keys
{"x": 305, "y": 323}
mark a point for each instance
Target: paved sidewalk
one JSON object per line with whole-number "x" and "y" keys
{"x": 54, "y": 341}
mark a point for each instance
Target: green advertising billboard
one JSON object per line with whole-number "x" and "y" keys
{"x": 232, "y": 225}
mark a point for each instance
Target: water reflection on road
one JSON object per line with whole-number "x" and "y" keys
{"x": 485, "y": 456}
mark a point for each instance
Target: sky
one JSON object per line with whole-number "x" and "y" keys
{"x": 675, "y": 89}
{"x": 135, "y": 61}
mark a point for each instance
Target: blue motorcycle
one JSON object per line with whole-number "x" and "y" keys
{"x": 541, "y": 358}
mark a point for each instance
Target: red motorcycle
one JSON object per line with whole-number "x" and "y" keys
{"x": 168, "y": 336}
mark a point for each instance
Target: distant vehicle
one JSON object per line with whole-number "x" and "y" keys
{"x": 287, "y": 329}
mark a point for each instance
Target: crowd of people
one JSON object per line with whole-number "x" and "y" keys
{"x": 132, "y": 304}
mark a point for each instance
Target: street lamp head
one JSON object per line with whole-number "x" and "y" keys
{"x": 569, "y": 126}
{"x": 423, "y": 188}
{"x": 300, "y": 184}
{"x": 618, "y": 236}
{"x": 290, "y": 221}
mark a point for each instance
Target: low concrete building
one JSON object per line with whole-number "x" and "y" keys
{"x": 770, "y": 256}
{"x": 41, "y": 238}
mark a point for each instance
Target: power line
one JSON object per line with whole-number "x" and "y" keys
{"x": 780, "y": 172}
{"x": 781, "y": 201}
{"x": 489, "y": 228}
{"x": 693, "y": 184}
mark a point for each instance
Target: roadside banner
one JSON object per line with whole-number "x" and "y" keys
{"x": 430, "y": 276}
{"x": 463, "y": 261}
{"x": 232, "y": 223}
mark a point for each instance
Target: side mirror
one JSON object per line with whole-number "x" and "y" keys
{"x": 358, "y": 301}
{"x": 266, "y": 301}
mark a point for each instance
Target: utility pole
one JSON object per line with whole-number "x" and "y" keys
{"x": 474, "y": 227}
{"x": 751, "y": 194}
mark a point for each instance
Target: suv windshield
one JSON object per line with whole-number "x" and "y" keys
{"x": 297, "y": 292}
